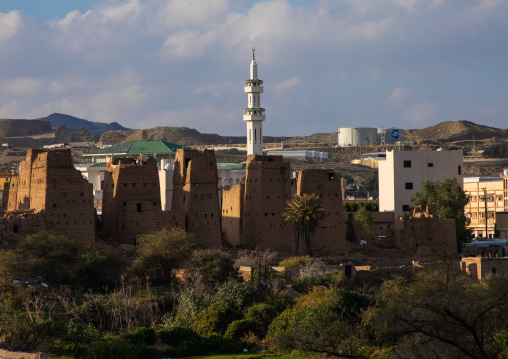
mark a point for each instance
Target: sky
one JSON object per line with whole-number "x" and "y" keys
{"x": 325, "y": 63}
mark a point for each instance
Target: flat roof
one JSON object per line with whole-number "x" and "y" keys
{"x": 137, "y": 148}
{"x": 482, "y": 179}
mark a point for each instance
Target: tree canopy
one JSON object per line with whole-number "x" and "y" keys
{"x": 450, "y": 200}
{"x": 304, "y": 211}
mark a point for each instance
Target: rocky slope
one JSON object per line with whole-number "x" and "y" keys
{"x": 19, "y": 128}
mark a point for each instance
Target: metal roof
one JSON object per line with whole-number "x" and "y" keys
{"x": 137, "y": 148}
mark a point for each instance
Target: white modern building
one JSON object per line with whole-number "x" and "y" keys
{"x": 367, "y": 136}
{"x": 254, "y": 114}
{"x": 310, "y": 156}
{"x": 402, "y": 173}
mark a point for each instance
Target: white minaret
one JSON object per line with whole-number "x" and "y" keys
{"x": 254, "y": 115}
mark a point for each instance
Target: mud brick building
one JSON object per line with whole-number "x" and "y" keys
{"x": 131, "y": 200}
{"x": 325, "y": 183}
{"x": 425, "y": 233}
{"x": 195, "y": 192}
{"x": 252, "y": 214}
{"x": 50, "y": 186}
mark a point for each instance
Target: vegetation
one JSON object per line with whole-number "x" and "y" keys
{"x": 365, "y": 218}
{"x": 450, "y": 200}
{"x": 499, "y": 150}
{"x": 439, "y": 312}
{"x": 304, "y": 212}
{"x": 371, "y": 182}
{"x": 354, "y": 206}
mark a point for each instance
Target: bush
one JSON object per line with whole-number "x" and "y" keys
{"x": 294, "y": 261}
{"x": 333, "y": 279}
{"x": 158, "y": 253}
{"x": 110, "y": 348}
{"x": 190, "y": 302}
{"x": 215, "y": 319}
{"x": 212, "y": 267}
{"x": 239, "y": 328}
{"x": 140, "y": 336}
{"x": 261, "y": 314}
{"x": 303, "y": 285}
{"x": 281, "y": 300}
{"x": 237, "y": 295}
{"x": 82, "y": 333}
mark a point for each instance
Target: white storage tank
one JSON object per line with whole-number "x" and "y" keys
{"x": 390, "y": 136}
{"x": 357, "y": 136}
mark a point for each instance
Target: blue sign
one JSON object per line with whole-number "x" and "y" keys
{"x": 395, "y": 134}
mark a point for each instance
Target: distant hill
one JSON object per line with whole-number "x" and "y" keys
{"x": 179, "y": 135}
{"x": 19, "y": 128}
{"x": 451, "y": 131}
{"x": 74, "y": 123}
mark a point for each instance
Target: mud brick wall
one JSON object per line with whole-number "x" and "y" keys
{"x": 331, "y": 232}
{"x": 267, "y": 188}
{"x": 195, "y": 191}
{"x": 20, "y": 190}
{"x": 134, "y": 224}
{"x": 481, "y": 267}
{"x": 232, "y": 214}
{"x": 425, "y": 235}
{"x": 131, "y": 188}
{"x": 48, "y": 183}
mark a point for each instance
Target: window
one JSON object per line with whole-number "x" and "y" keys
{"x": 138, "y": 207}
{"x": 473, "y": 215}
{"x": 430, "y": 164}
{"x": 459, "y": 170}
{"x": 473, "y": 199}
{"x": 407, "y": 164}
{"x": 405, "y": 207}
{"x": 409, "y": 185}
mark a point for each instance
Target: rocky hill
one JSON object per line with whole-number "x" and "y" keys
{"x": 451, "y": 131}
{"x": 74, "y": 123}
{"x": 18, "y": 128}
{"x": 63, "y": 134}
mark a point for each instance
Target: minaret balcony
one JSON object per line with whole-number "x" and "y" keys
{"x": 252, "y": 117}
{"x": 253, "y": 89}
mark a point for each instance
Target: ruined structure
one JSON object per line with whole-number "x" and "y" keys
{"x": 50, "y": 194}
{"x": 195, "y": 192}
{"x": 481, "y": 267}
{"x": 325, "y": 183}
{"x": 252, "y": 215}
{"x": 425, "y": 232}
{"x": 131, "y": 200}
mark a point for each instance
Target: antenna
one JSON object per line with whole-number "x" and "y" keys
{"x": 253, "y": 50}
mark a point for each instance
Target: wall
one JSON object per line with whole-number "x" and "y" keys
{"x": 48, "y": 183}
{"x": 195, "y": 192}
{"x": 425, "y": 165}
{"x": 232, "y": 214}
{"x": 481, "y": 267}
{"x": 331, "y": 232}
{"x": 267, "y": 188}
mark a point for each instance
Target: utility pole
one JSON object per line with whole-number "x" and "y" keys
{"x": 486, "y": 213}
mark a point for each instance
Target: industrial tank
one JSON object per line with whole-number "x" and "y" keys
{"x": 390, "y": 136}
{"x": 357, "y": 136}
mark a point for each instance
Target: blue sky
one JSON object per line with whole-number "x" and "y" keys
{"x": 325, "y": 63}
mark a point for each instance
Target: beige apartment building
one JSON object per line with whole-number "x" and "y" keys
{"x": 487, "y": 196}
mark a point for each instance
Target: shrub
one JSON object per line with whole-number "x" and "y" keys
{"x": 212, "y": 267}
{"x": 215, "y": 319}
{"x": 333, "y": 279}
{"x": 110, "y": 348}
{"x": 261, "y": 314}
{"x": 140, "y": 336}
{"x": 294, "y": 261}
{"x": 190, "y": 302}
{"x": 303, "y": 285}
{"x": 82, "y": 333}
{"x": 237, "y": 295}
{"x": 239, "y": 328}
{"x": 281, "y": 300}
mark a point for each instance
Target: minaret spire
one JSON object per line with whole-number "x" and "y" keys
{"x": 254, "y": 114}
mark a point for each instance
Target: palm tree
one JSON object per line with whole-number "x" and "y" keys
{"x": 304, "y": 211}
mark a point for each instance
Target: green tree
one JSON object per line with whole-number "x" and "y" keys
{"x": 496, "y": 151}
{"x": 305, "y": 212}
{"x": 159, "y": 253}
{"x": 371, "y": 181}
{"x": 364, "y": 217}
{"x": 212, "y": 268}
{"x": 10, "y": 266}
{"x": 450, "y": 200}
{"x": 443, "y": 314}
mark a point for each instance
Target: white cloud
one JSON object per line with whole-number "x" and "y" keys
{"x": 287, "y": 85}
{"x": 409, "y": 5}
{"x": 10, "y": 24}
{"x": 371, "y": 75}
{"x": 399, "y": 94}
{"x": 22, "y": 86}
{"x": 56, "y": 87}
{"x": 187, "y": 44}
{"x": 421, "y": 114}
{"x": 61, "y": 106}
{"x": 178, "y": 13}
{"x": 11, "y": 110}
